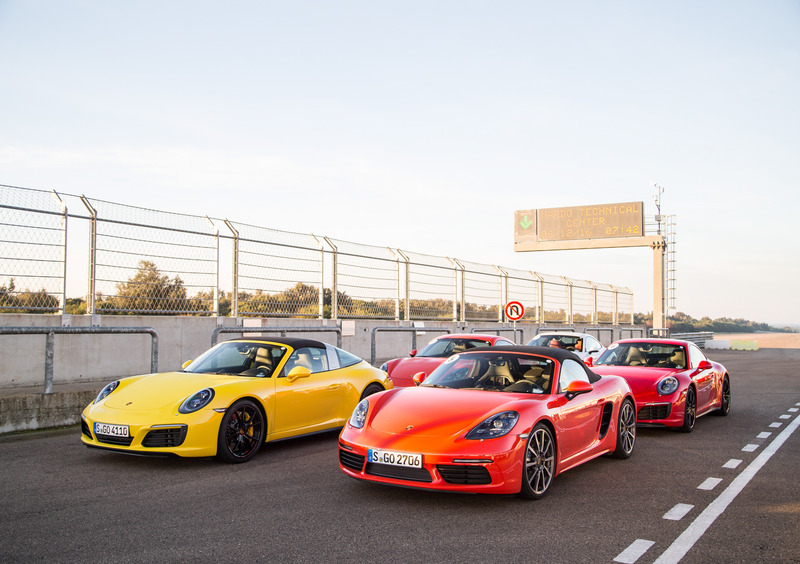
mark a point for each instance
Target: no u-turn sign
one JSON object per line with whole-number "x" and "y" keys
{"x": 514, "y": 310}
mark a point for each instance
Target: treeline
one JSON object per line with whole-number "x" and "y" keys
{"x": 684, "y": 323}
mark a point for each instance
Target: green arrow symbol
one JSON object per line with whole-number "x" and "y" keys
{"x": 525, "y": 223}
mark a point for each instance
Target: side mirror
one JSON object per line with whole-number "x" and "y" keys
{"x": 413, "y": 353}
{"x": 185, "y": 364}
{"x": 704, "y": 365}
{"x": 418, "y": 378}
{"x": 577, "y": 387}
{"x": 588, "y": 361}
{"x": 298, "y": 372}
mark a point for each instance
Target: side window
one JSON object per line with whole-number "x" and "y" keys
{"x": 504, "y": 343}
{"x": 570, "y": 371}
{"x": 695, "y": 355}
{"x": 313, "y": 358}
{"x": 592, "y": 344}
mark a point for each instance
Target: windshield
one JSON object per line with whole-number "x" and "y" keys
{"x": 504, "y": 372}
{"x": 237, "y": 357}
{"x": 446, "y": 347}
{"x": 569, "y": 342}
{"x": 643, "y": 354}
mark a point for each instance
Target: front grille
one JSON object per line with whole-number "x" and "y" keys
{"x": 351, "y": 460}
{"x": 398, "y": 472}
{"x": 85, "y": 429}
{"x": 112, "y": 440}
{"x": 651, "y": 412}
{"x": 165, "y": 438}
{"x": 464, "y": 474}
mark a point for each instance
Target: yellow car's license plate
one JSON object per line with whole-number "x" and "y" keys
{"x": 113, "y": 430}
{"x": 395, "y": 458}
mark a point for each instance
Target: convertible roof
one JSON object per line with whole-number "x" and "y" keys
{"x": 552, "y": 352}
{"x": 294, "y": 342}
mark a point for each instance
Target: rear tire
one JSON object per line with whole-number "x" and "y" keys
{"x": 241, "y": 432}
{"x": 539, "y": 463}
{"x": 689, "y": 411}
{"x": 626, "y": 430}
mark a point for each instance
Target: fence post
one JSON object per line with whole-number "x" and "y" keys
{"x": 570, "y": 312}
{"x": 235, "y": 291}
{"x": 90, "y": 299}
{"x": 335, "y": 283}
{"x": 407, "y": 292}
{"x": 457, "y": 266}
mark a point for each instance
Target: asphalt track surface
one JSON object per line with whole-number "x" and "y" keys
{"x": 62, "y": 502}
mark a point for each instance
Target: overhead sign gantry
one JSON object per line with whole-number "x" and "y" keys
{"x": 600, "y": 226}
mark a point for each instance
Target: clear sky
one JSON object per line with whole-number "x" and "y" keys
{"x": 423, "y": 125}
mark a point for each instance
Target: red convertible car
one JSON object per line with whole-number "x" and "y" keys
{"x": 673, "y": 381}
{"x": 504, "y": 420}
{"x": 401, "y": 370}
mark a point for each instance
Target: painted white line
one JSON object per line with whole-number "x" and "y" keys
{"x": 709, "y": 484}
{"x": 702, "y": 522}
{"x": 764, "y": 435}
{"x": 775, "y": 425}
{"x": 793, "y": 410}
{"x": 732, "y": 463}
{"x": 750, "y": 448}
{"x": 786, "y": 416}
{"x": 678, "y": 512}
{"x": 634, "y": 551}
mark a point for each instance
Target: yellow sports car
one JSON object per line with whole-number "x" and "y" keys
{"x": 234, "y": 397}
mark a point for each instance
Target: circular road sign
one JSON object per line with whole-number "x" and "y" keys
{"x": 514, "y": 310}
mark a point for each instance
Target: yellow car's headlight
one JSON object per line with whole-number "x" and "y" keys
{"x": 196, "y": 401}
{"x": 106, "y": 390}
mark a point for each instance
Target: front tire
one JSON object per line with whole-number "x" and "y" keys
{"x": 689, "y": 411}
{"x": 626, "y": 430}
{"x": 241, "y": 432}
{"x": 540, "y": 463}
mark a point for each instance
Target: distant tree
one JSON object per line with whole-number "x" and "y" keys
{"x": 148, "y": 291}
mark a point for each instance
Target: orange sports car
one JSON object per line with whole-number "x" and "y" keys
{"x": 401, "y": 370}
{"x": 503, "y": 420}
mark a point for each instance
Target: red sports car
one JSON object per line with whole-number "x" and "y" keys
{"x": 503, "y": 420}
{"x": 673, "y": 381}
{"x": 400, "y": 370}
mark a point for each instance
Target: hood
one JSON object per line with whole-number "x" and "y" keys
{"x": 438, "y": 412}
{"x": 407, "y": 367}
{"x": 639, "y": 378}
{"x": 163, "y": 390}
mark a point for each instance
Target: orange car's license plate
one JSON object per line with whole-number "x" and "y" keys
{"x": 395, "y": 458}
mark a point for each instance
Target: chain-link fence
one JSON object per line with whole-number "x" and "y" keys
{"x": 33, "y": 233}
{"x": 144, "y": 261}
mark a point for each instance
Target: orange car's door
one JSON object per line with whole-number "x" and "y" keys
{"x": 309, "y": 403}
{"x": 578, "y": 420}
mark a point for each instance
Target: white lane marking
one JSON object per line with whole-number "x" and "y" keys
{"x": 764, "y": 435}
{"x": 709, "y": 484}
{"x": 702, "y": 522}
{"x": 732, "y": 463}
{"x": 678, "y": 512}
{"x": 792, "y": 410}
{"x": 634, "y": 551}
{"x": 786, "y": 416}
{"x": 775, "y": 425}
{"x": 750, "y": 448}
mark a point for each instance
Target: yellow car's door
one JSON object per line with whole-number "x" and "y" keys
{"x": 307, "y": 395}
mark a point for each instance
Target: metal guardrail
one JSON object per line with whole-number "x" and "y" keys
{"x": 699, "y": 338}
{"x": 412, "y": 330}
{"x": 634, "y": 332}
{"x": 281, "y": 330}
{"x": 50, "y": 343}
{"x": 497, "y": 331}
